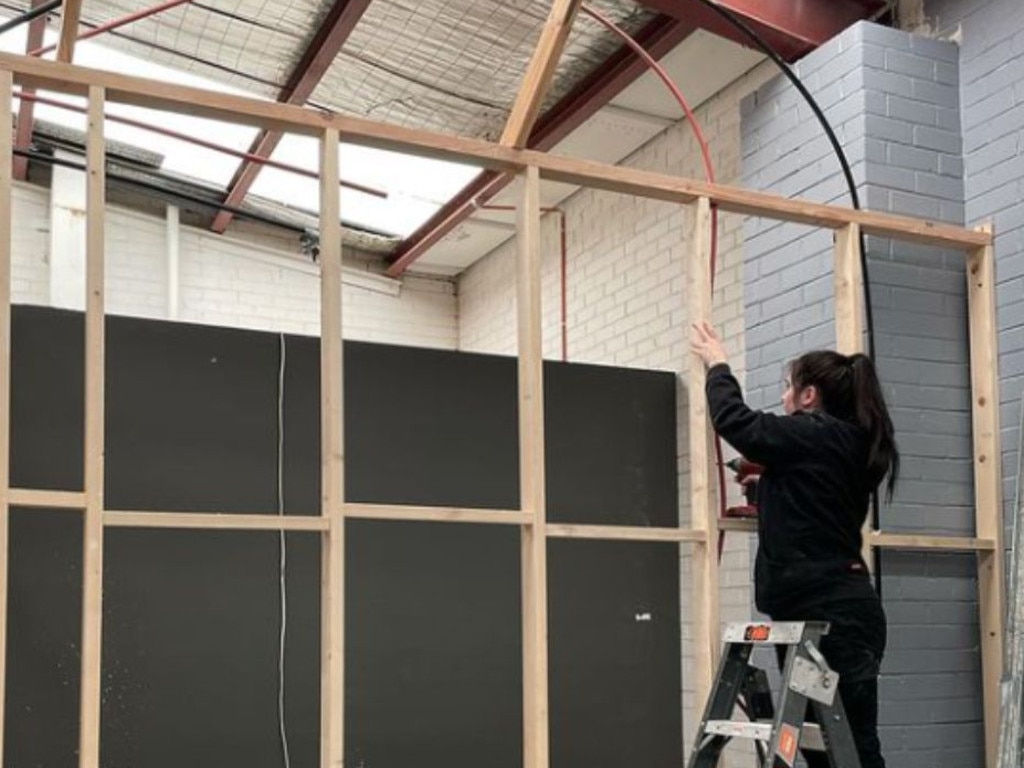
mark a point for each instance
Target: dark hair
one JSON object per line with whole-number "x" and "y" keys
{"x": 848, "y": 388}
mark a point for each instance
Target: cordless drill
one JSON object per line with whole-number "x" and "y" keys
{"x": 747, "y": 473}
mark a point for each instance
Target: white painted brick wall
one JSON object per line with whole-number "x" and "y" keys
{"x": 242, "y": 285}
{"x": 626, "y": 300}
{"x": 136, "y": 268}
{"x": 30, "y": 241}
{"x": 233, "y": 282}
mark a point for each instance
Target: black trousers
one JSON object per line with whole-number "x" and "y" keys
{"x": 853, "y": 648}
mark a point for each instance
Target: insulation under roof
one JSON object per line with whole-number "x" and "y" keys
{"x": 453, "y": 66}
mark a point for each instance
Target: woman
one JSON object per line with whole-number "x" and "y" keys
{"x": 822, "y": 461}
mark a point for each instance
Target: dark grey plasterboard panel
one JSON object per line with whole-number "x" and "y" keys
{"x": 191, "y": 618}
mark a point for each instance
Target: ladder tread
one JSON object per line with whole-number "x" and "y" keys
{"x": 810, "y": 733}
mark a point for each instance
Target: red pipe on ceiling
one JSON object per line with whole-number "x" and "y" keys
{"x": 623, "y": 67}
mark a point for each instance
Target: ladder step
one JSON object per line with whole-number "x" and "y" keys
{"x": 767, "y": 632}
{"x": 739, "y": 729}
{"x": 810, "y": 733}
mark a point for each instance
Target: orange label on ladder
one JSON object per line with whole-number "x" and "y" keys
{"x": 789, "y": 737}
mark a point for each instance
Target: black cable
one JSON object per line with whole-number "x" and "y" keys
{"x": 29, "y": 15}
{"x": 869, "y": 320}
{"x": 747, "y": 30}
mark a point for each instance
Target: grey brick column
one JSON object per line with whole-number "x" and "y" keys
{"x": 894, "y": 102}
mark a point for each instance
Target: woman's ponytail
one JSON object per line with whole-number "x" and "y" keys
{"x": 850, "y": 390}
{"x": 873, "y": 415}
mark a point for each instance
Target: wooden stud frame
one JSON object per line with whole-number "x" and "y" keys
{"x": 95, "y": 354}
{"x": 988, "y": 496}
{"x": 530, "y": 167}
{"x": 849, "y": 311}
{"x": 532, "y": 496}
{"x": 6, "y": 179}
{"x": 332, "y": 463}
{"x": 703, "y": 517}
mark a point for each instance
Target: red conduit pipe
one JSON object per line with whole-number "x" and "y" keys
{"x": 563, "y": 269}
{"x": 709, "y": 173}
{"x": 709, "y": 169}
{"x": 197, "y": 141}
{"x": 116, "y": 23}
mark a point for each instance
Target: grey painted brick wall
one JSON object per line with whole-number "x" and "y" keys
{"x": 894, "y": 102}
{"x": 992, "y": 97}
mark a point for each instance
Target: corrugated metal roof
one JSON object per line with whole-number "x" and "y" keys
{"x": 455, "y": 65}
{"x": 248, "y": 44}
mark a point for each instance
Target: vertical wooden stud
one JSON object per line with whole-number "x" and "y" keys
{"x": 703, "y": 518}
{"x": 92, "y": 582}
{"x": 332, "y": 470}
{"x": 531, "y": 476}
{"x": 849, "y": 288}
{"x": 849, "y": 309}
{"x": 6, "y": 177}
{"x": 988, "y": 497}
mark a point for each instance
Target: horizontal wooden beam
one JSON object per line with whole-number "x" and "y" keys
{"x": 908, "y": 541}
{"x": 737, "y": 200}
{"x": 72, "y": 500}
{"x": 622, "y": 533}
{"x": 220, "y": 522}
{"x": 737, "y": 524}
{"x": 435, "y": 514}
{"x": 30, "y": 72}
{"x": 927, "y": 542}
{"x": 30, "y": 497}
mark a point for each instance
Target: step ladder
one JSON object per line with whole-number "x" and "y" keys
{"x": 807, "y": 682}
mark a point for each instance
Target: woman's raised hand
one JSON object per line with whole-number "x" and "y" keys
{"x": 705, "y": 342}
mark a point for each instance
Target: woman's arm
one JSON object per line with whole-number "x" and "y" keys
{"x": 761, "y": 437}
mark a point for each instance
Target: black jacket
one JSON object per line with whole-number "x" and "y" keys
{"x": 812, "y": 499}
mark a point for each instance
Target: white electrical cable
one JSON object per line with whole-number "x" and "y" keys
{"x": 283, "y": 557}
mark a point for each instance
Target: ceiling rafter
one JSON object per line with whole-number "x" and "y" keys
{"x": 540, "y": 73}
{"x": 335, "y": 29}
{"x": 623, "y": 67}
{"x": 71, "y": 14}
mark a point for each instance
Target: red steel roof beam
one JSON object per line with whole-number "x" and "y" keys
{"x": 792, "y": 27}
{"x": 316, "y": 60}
{"x": 26, "y": 112}
{"x": 619, "y": 70}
